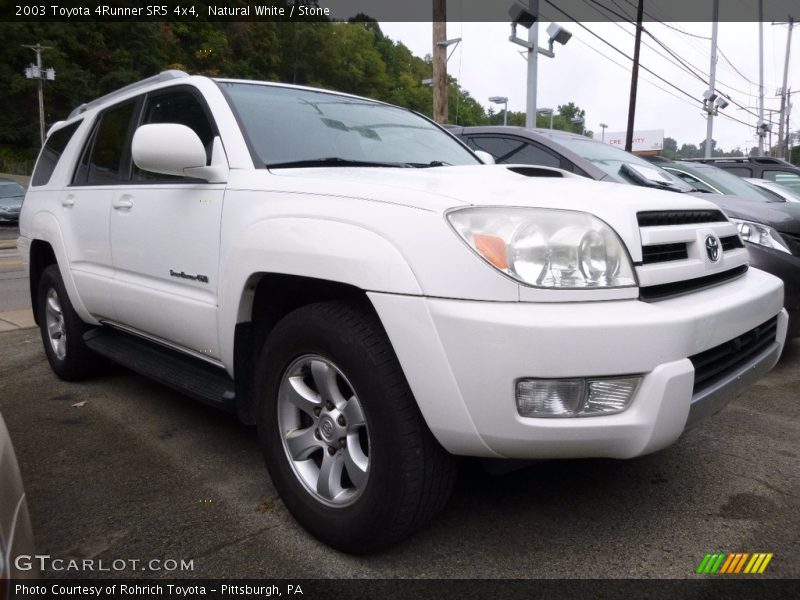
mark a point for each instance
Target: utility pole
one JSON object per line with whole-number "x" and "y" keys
{"x": 761, "y": 124}
{"x": 439, "y": 61}
{"x": 39, "y": 74}
{"x": 712, "y": 78}
{"x": 634, "y": 77}
{"x": 782, "y": 150}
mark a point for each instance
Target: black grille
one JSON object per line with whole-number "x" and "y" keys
{"x": 654, "y": 218}
{"x": 793, "y": 241}
{"x": 731, "y": 243}
{"x": 676, "y": 288}
{"x": 718, "y": 362}
{"x": 664, "y": 253}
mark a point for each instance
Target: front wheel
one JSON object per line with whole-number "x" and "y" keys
{"x": 345, "y": 443}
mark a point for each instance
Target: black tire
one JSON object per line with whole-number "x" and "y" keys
{"x": 78, "y": 361}
{"x": 410, "y": 476}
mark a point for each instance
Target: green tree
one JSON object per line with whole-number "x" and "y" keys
{"x": 670, "y": 149}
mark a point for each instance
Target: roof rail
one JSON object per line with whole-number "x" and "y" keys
{"x": 163, "y": 76}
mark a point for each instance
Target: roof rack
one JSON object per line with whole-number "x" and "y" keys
{"x": 753, "y": 160}
{"x": 163, "y": 76}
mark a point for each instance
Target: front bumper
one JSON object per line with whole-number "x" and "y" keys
{"x": 462, "y": 360}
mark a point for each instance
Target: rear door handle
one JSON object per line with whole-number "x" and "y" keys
{"x": 123, "y": 202}
{"x": 68, "y": 201}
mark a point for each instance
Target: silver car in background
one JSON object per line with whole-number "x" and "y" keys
{"x": 11, "y": 196}
{"x": 16, "y": 536}
{"x": 780, "y": 191}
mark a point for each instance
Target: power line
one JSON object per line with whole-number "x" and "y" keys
{"x": 693, "y": 102}
{"x": 727, "y": 60}
{"x": 656, "y": 75}
{"x": 683, "y": 63}
{"x": 623, "y": 67}
{"x": 694, "y": 35}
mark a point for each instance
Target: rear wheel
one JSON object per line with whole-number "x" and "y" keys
{"x": 62, "y": 330}
{"x": 345, "y": 443}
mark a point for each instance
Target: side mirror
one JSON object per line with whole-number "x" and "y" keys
{"x": 174, "y": 149}
{"x": 485, "y": 157}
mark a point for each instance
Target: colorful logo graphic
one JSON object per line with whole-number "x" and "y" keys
{"x": 732, "y": 563}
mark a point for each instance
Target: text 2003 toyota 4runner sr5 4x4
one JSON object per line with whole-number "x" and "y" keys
{"x": 352, "y": 279}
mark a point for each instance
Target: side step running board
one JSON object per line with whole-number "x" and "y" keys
{"x": 186, "y": 374}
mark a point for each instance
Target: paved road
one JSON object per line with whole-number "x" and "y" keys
{"x": 140, "y": 472}
{"x": 14, "y": 296}
{"x": 123, "y": 468}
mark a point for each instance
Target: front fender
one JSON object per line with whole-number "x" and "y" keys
{"x": 306, "y": 247}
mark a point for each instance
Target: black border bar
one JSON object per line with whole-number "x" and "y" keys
{"x": 387, "y": 10}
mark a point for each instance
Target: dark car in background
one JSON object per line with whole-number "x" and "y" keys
{"x": 769, "y": 225}
{"x": 11, "y": 196}
{"x": 759, "y": 167}
{"x": 569, "y": 151}
{"x": 770, "y": 229}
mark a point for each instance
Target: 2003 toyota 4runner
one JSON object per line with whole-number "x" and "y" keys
{"x": 352, "y": 279}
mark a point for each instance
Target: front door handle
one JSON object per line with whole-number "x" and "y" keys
{"x": 68, "y": 201}
{"x": 123, "y": 202}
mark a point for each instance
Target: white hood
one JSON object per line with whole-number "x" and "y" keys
{"x": 442, "y": 188}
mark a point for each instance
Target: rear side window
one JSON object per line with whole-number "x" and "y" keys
{"x": 51, "y": 153}
{"x": 512, "y": 150}
{"x": 106, "y": 157}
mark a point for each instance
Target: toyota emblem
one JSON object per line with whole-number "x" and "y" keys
{"x": 712, "y": 248}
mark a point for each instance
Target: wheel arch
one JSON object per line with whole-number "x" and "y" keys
{"x": 41, "y": 256}
{"x": 267, "y": 299}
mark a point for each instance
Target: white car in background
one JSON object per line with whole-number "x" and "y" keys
{"x": 781, "y": 191}
{"x": 16, "y": 536}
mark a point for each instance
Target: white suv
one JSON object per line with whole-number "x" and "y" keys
{"x": 351, "y": 278}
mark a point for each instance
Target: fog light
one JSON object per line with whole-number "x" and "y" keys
{"x": 575, "y": 397}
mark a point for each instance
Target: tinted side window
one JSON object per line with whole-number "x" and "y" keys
{"x": 785, "y": 178}
{"x": 51, "y": 153}
{"x": 181, "y": 107}
{"x": 513, "y": 150}
{"x": 106, "y": 157}
{"x": 740, "y": 171}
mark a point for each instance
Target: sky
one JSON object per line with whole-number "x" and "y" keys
{"x": 487, "y": 64}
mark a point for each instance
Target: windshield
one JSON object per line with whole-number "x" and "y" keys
{"x": 725, "y": 182}
{"x": 11, "y": 190}
{"x": 611, "y": 160}
{"x": 311, "y": 128}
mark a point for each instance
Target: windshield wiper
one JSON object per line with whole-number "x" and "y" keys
{"x": 433, "y": 163}
{"x": 332, "y": 161}
{"x": 643, "y": 179}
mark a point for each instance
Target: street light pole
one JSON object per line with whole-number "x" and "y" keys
{"x": 781, "y": 147}
{"x": 533, "y": 66}
{"x": 712, "y": 78}
{"x": 504, "y": 101}
{"x": 760, "y": 128}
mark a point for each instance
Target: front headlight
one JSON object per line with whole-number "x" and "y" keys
{"x": 547, "y": 248}
{"x": 763, "y": 235}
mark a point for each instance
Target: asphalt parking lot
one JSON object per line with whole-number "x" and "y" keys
{"x": 122, "y": 468}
